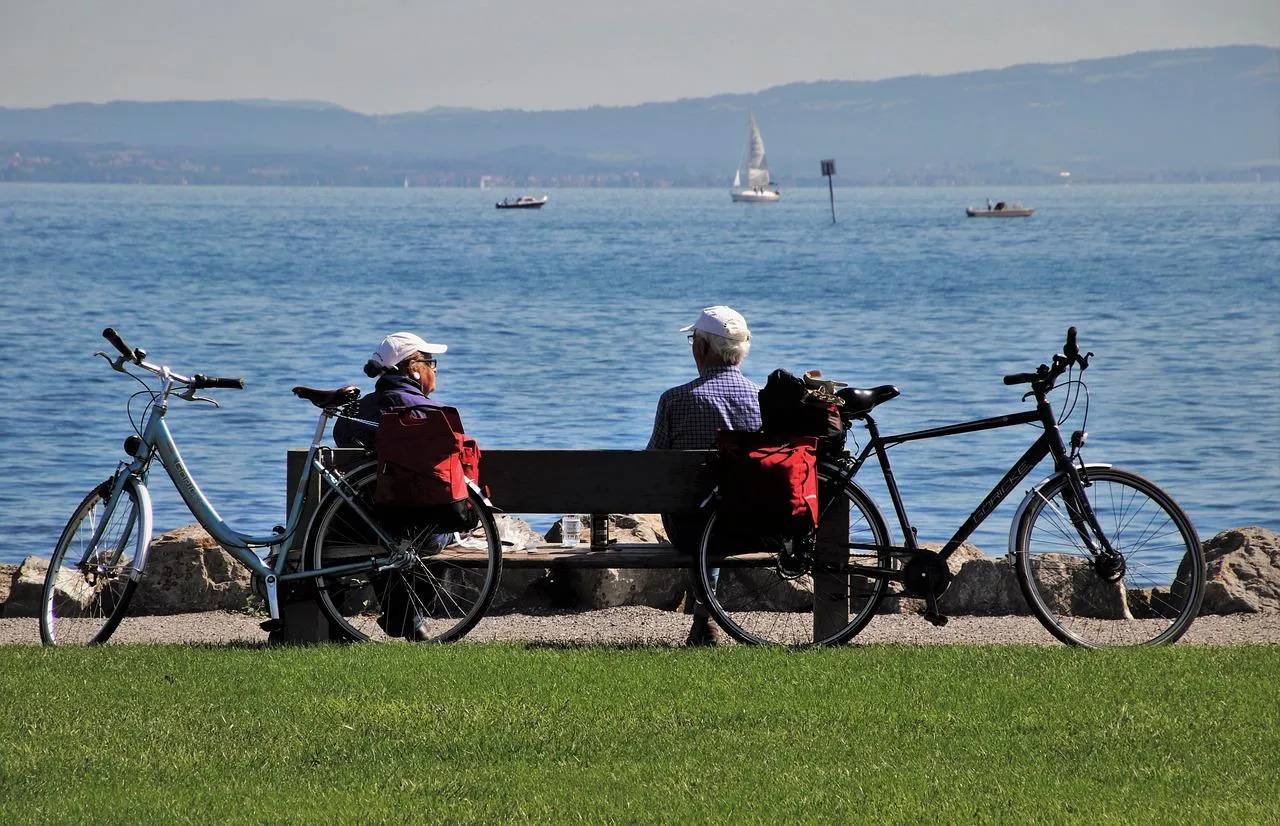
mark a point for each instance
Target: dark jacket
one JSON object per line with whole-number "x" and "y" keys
{"x": 391, "y": 391}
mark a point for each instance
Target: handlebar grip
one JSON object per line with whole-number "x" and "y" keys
{"x": 1071, "y": 350}
{"x": 1020, "y": 378}
{"x": 128, "y": 352}
{"x": 199, "y": 382}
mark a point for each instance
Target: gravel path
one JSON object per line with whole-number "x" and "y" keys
{"x": 649, "y": 626}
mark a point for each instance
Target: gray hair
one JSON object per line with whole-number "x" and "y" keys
{"x": 724, "y": 351}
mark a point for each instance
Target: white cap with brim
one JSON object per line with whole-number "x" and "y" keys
{"x": 397, "y": 347}
{"x": 721, "y": 321}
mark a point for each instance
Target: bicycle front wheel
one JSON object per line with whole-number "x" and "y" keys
{"x": 763, "y": 595}
{"x": 432, "y": 588}
{"x": 88, "y": 586}
{"x": 1147, "y": 595}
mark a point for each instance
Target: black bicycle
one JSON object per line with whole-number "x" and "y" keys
{"x": 1103, "y": 556}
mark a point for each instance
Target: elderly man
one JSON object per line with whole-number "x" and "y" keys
{"x": 689, "y": 416}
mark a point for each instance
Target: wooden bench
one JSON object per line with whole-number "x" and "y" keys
{"x": 586, "y": 482}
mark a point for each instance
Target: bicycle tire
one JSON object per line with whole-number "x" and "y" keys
{"x": 416, "y": 598}
{"x": 767, "y": 605}
{"x": 1163, "y": 581}
{"x": 88, "y": 588}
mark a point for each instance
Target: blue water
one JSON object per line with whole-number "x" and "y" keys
{"x": 562, "y": 325}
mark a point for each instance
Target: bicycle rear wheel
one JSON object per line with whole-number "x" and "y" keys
{"x": 1149, "y": 596}
{"x": 421, "y": 591}
{"x": 88, "y": 587}
{"x": 761, "y": 595}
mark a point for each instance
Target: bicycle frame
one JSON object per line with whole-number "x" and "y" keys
{"x": 157, "y": 442}
{"x": 1048, "y": 443}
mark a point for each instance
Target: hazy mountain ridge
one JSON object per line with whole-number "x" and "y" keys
{"x": 1183, "y": 112}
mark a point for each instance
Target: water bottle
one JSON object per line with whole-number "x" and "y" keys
{"x": 570, "y": 530}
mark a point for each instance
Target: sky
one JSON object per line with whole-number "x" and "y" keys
{"x": 388, "y": 56}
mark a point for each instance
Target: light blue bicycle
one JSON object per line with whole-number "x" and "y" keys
{"x": 373, "y": 579}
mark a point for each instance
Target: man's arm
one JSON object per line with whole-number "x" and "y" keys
{"x": 660, "y": 439}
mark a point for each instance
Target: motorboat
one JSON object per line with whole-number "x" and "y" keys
{"x": 523, "y": 202}
{"x": 758, "y": 189}
{"x": 1000, "y": 210}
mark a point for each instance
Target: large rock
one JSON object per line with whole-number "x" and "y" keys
{"x": 981, "y": 585}
{"x": 593, "y": 588}
{"x": 26, "y": 588}
{"x": 1243, "y": 572}
{"x": 187, "y": 570}
{"x": 7, "y": 574}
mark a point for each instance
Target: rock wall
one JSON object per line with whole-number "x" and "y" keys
{"x": 188, "y": 571}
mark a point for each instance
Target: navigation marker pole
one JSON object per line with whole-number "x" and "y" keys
{"x": 829, "y": 169}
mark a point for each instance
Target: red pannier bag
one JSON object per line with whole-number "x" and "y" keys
{"x": 423, "y": 462}
{"x": 768, "y": 484}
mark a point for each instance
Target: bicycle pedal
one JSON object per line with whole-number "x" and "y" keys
{"x": 272, "y": 625}
{"x": 937, "y": 619}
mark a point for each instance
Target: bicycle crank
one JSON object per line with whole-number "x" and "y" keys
{"x": 927, "y": 576}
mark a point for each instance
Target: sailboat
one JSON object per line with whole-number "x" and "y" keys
{"x": 758, "y": 189}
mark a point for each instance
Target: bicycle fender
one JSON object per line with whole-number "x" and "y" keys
{"x": 476, "y": 489}
{"x": 144, "y": 530}
{"x": 1026, "y": 503}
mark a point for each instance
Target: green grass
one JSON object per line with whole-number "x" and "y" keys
{"x": 499, "y": 734}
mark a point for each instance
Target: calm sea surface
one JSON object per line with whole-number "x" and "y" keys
{"x": 562, "y": 326}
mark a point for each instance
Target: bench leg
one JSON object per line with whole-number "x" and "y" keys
{"x": 831, "y": 591}
{"x": 304, "y": 622}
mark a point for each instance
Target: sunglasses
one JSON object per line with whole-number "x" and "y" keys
{"x": 421, "y": 359}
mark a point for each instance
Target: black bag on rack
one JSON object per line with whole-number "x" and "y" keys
{"x": 792, "y": 406}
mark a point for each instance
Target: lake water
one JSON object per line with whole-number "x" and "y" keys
{"x": 562, "y": 325}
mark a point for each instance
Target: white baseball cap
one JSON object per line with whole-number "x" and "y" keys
{"x": 397, "y": 347}
{"x": 722, "y": 321}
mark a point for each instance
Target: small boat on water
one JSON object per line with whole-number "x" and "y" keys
{"x": 523, "y": 202}
{"x": 758, "y": 189}
{"x": 999, "y": 210}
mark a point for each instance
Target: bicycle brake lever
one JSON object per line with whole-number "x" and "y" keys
{"x": 116, "y": 363}
{"x": 190, "y": 395}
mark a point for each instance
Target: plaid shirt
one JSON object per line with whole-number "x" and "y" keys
{"x": 689, "y": 415}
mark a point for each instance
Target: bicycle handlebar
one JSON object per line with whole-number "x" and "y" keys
{"x": 198, "y": 382}
{"x": 1044, "y": 377}
{"x": 138, "y": 357}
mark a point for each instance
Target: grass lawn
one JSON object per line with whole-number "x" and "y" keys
{"x": 472, "y": 733}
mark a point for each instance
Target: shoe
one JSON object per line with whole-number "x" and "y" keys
{"x": 420, "y": 632}
{"x": 704, "y": 632}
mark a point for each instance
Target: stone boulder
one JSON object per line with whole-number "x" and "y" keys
{"x": 592, "y": 588}
{"x": 981, "y": 585}
{"x": 1243, "y": 572}
{"x": 26, "y": 587}
{"x": 7, "y": 574}
{"x": 188, "y": 571}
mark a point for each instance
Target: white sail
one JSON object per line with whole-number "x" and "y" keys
{"x": 757, "y": 163}
{"x": 758, "y": 189}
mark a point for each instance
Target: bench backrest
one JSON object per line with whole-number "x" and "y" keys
{"x": 577, "y": 481}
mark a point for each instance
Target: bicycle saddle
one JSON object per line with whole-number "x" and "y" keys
{"x": 328, "y": 398}
{"x": 859, "y": 401}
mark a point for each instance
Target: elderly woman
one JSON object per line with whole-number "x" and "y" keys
{"x": 405, "y": 367}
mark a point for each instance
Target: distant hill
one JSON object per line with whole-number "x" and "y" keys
{"x": 1167, "y": 115}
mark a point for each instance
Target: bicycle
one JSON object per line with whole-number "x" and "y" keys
{"x": 1103, "y": 556}
{"x": 371, "y": 578}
